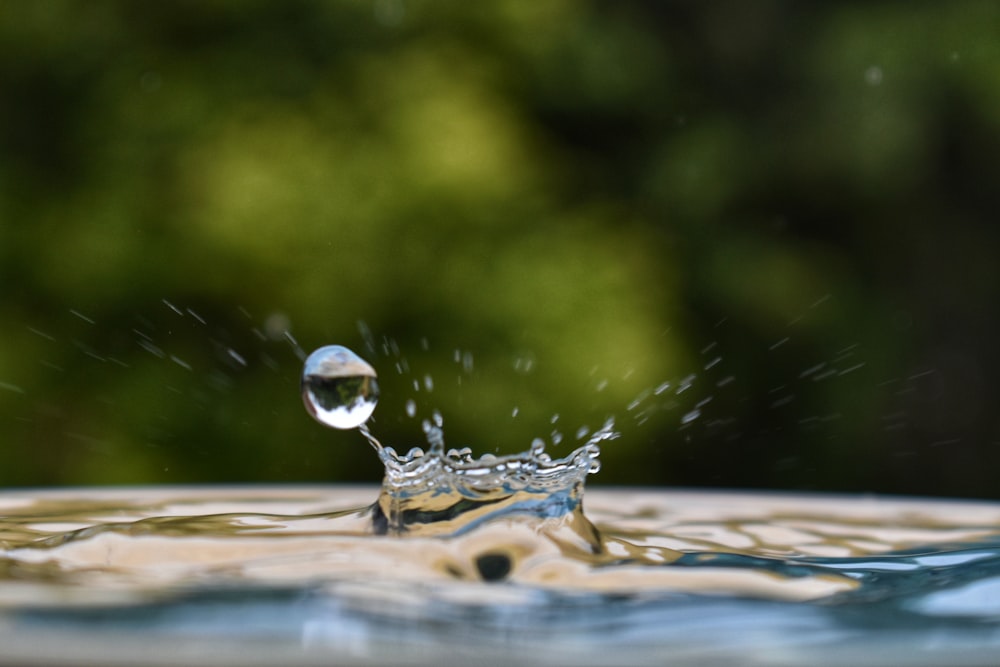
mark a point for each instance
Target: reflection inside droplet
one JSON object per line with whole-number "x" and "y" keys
{"x": 339, "y": 388}
{"x": 443, "y": 493}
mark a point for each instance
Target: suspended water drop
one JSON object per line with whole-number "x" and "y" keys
{"x": 685, "y": 384}
{"x": 691, "y": 416}
{"x": 411, "y": 408}
{"x": 236, "y": 356}
{"x": 339, "y": 387}
{"x": 433, "y": 432}
{"x": 524, "y": 364}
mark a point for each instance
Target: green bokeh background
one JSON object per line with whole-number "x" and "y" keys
{"x": 786, "y": 211}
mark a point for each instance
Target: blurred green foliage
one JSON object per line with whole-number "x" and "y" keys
{"x": 784, "y": 210}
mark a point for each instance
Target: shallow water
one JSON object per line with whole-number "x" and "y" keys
{"x": 269, "y": 575}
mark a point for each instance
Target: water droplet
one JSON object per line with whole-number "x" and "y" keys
{"x": 691, "y": 416}
{"x": 524, "y": 364}
{"x": 685, "y": 384}
{"x": 778, "y": 344}
{"x": 433, "y": 432}
{"x": 81, "y": 316}
{"x": 172, "y": 307}
{"x": 236, "y": 356}
{"x": 339, "y": 387}
{"x": 411, "y": 408}
{"x": 180, "y": 362}
{"x": 873, "y": 75}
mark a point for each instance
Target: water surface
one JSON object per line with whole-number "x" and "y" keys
{"x": 258, "y": 575}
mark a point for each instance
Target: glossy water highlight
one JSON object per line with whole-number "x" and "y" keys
{"x": 299, "y": 574}
{"x": 446, "y": 492}
{"x": 456, "y": 559}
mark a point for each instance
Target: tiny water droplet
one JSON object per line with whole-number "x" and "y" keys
{"x": 691, "y": 416}
{"x": 685, "y": 384}
{"x": 411, "y": 408}
{"x": 236, "y": 356}
{"x": 339, "y": 387}
{"x": 524, "y": 365}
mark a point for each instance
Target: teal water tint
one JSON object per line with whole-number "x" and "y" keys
{"x": 675, "y": 578}
{"x": 457, "y": 559}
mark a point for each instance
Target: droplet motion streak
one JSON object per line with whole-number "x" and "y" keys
{"x": 499, "y": 566}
